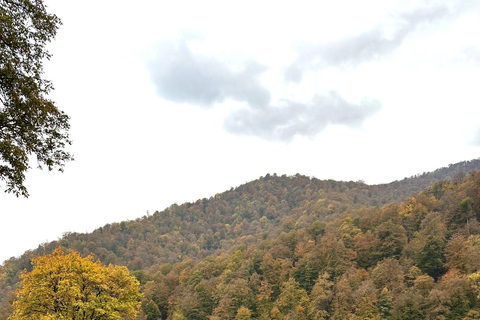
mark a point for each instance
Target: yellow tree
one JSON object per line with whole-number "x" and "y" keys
{"x": 67, "y": 286}
{"x": 243, "y": 314}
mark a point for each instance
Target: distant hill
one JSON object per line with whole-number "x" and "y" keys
{"x": 263, "y": 215}
{"x": 401, "y": 189}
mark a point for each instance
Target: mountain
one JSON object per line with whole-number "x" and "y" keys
{"x": 279, "y": 235}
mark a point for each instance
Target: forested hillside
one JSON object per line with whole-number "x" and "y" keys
{"x": 300, "y": 248}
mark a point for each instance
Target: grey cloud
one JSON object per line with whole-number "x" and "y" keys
{"x": 366, "y": 46}
{"x": 282, "y": 123}
{"x": 181, "y": 76}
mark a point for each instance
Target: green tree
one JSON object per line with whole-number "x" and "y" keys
{"x": 152, "y": 311}
{"x": 390, "y": 240}
{"x": 408, "y": 306}
{"x": 30, "y": 123}
{"x": 431, "y": 258}
{"x": 451, "y": 299}
{"x": 364, "y": 245}
{"x": 385, "y": 303}
{"x": 466, "y": 211}
{"x": 67, "y": 286}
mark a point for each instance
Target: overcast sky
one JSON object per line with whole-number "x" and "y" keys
{"x": 173, "y": 101}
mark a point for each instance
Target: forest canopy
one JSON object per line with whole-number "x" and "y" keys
{"x": 295, "y": 247}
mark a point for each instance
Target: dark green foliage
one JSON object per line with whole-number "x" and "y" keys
{"x": 385, "y": 304}
{"x": 30, "y": 123}
{"x": 408, "y": 307}
{"x": 390, "y": 240}
{"x": 431, "y": 258}
{"x": 151, "y": 311}
{"x": 142, "y": 276}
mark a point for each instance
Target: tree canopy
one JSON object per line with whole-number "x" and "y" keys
{"x": 67, "y": 286}
{"x": 294, "y": 247}
{"x": 30, "y": 123}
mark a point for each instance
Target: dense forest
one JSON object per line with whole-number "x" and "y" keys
{"x": 295, "y": 247}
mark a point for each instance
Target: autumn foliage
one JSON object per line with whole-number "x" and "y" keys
{"x": 67, "y": 286}
{"x": 294, "y": 247}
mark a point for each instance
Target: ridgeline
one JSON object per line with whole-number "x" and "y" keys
{"x": 295, "y": 247}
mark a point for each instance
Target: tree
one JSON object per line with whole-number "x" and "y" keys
{"x": 452, "y": 298}
{"x": 243, "y": 314}
{"x": 390, "y": 240}
{"x": 385, "y": 304}
{"x": 30, "y": 123}
{"x": 292, "y": 301}
{"x": 388, "y": 273}
{"x": 321, "y": 298}
{"x": 152, "y": 311}
{"x": 67, "y": 286}
{"x": 263, "y": 303}
{"x": 342, "y": 305}
{"x": 432, "y": 257}
{"x": 467, "y": 212}
{"x": 231, "y": 297}
{"x": 366, "y": 302}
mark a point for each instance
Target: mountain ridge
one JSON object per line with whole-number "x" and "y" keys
{"x": 377, "y": 194}
{"x": 265, "y": 210}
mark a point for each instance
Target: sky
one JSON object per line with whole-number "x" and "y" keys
{"x": 174, "y": 101}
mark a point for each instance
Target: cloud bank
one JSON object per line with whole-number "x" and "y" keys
{"x": 182, "y": 76}
{"x": 283, "y": 123}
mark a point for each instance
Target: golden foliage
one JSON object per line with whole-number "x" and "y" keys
{"x": 67, "y": 286}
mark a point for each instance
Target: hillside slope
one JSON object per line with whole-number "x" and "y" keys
{"x": 257, "y": 215}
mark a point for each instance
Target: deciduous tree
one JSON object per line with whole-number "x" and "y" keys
{"x": 30, "y": 123}
{"x": 67, "y": 286}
